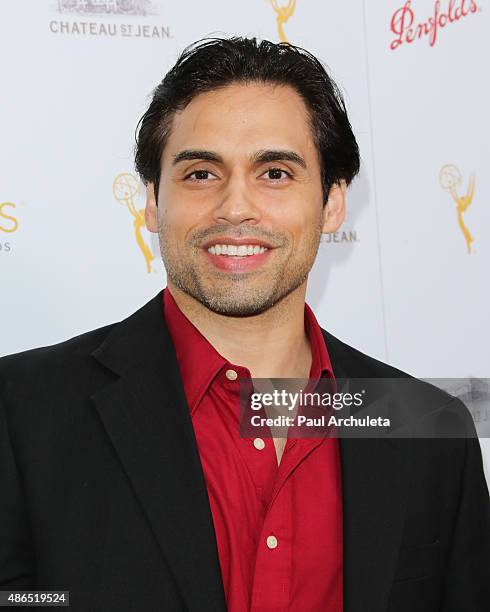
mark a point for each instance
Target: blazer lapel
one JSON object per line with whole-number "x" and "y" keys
{"x": 375, "y": 489}
{"x": 147, "y": 419}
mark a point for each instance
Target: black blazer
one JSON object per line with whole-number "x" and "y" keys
{"x": 102, "y": 491}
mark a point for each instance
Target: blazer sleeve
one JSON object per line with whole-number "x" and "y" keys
{"x": 16, "y": 549}
{"x": 467, "y": 576}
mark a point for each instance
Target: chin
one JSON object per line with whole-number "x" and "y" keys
{"x": 238, "y": 311}
{"x": 236, "y": 308}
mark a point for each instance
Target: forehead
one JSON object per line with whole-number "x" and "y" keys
{"x": 242, "y": 118}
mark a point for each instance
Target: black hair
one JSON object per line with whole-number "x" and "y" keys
{"x": 214, "y": 63}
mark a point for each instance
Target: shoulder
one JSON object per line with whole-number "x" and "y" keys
{"x": 356, "y": 363}
{"x": 51, "y": 362}
{"x": 416, "y": 400}
{"x": 72, "y": 369}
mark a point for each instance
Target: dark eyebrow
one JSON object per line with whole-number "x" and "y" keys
{"x": 279, "y": 155}
{"x": 266, "y": 155}
{"x": 190, "y": 154}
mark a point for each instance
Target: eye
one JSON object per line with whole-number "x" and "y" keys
{"x": 199, "y": 175}
{"x": 277, "y": 174}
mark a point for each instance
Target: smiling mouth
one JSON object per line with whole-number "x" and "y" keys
{"x": 233, "y": 250}
{"x": 237, "y": 258}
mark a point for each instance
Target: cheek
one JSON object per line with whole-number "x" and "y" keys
{"x": 184, "y": 210}
{"x": 301, "y": 223}
{"x": 178, "y": 223}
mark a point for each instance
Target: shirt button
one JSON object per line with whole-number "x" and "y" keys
{"x": 272, "y": 542}
{"x": 231, "y": 375}
{"x": 259, "y": 443}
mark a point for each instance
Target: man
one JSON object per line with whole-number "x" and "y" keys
{"x": 124, "y": 476}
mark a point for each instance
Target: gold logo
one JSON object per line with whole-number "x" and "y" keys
{"x": 283, "y": 13}
{"x": 450, "y": 179}
{"x": 8, "y": 223}
{"x": 126, "y": 189}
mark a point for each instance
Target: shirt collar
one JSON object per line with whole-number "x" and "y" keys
{"x": 200, "y": 363}
{"x": 321, "y": 366}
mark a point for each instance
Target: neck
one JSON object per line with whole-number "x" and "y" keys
{"x": 272, "y": 344}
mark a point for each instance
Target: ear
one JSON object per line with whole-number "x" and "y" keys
{"x": 151, "y": 211}
{"x": 334, "y": 208}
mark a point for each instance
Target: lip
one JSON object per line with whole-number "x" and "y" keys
{"x": 236, "y": 264}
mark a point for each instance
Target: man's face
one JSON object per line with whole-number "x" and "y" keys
{"x": 240, "y": 211}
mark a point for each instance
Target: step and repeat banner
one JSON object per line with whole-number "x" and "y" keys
{"x": 402, "y": 280}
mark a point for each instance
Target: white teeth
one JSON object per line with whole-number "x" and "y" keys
{"x": 242, "y": 250}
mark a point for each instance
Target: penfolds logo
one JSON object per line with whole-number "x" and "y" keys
{"x": 408, "y": 28}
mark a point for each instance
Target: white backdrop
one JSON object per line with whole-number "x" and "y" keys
{"x": 405, "y": 278}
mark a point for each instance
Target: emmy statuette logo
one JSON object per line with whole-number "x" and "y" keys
{"x": 450, "y": 179}
{"x": 283, "y": 13}
{"x": 126, "y": 189}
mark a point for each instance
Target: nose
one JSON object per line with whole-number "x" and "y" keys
{"x": 236, "y": 204}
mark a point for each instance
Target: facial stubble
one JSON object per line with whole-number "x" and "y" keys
{"x": 244, "y": 294}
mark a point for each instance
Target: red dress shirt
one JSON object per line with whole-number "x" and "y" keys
{"x": 278, "y": 528}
